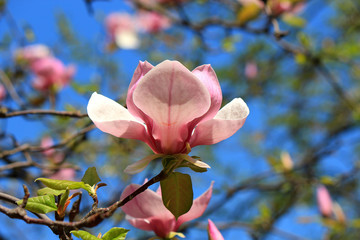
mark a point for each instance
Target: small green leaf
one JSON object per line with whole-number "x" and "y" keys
{"x": 66, "y": 184}
{"x": 91, "y": 177}
{"x": 41, "y": 204}
{"x": 84, "y": 235}
{"x": 85, "y": 88}
{"x": 61, "y": 184}
{"x": 115, "y": 233}
{"x": 177, "y": 193}
{"x": 49, "y": 191}
{"x": 248, "y": 12}
{"x": 175, "y": 234}
{"x": 64, "y": 197}
{"x": 294, "y": 20}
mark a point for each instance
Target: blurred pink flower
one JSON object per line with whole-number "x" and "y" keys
{"x": 2, "y": 92}
{"x": 324, "y": 201}
{"x": 122, "y": 30}
{"x": 51, "y": 73}
{"x": 47, "y": 142}
{"x": 51, "y": 154}
{"x": 171, "y": 109}
{"x": 251, "y": 70}
{"x": 64, "y": 174}
{"x": 213, "y": 231}
{"x": 147, "y": 211}
{"x": 152, "y": 22}
{"x": 32, "y": 53}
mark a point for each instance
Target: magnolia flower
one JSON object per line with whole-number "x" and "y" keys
{"x": 213, "y": 231}
{"x": 171, "y": 109}
{"x": 64, "y": 174}
{"x": 251, "y": 70}
{"x": 2, "y": 92}
{"x": 50, "y": 153}
{"x": 122, "y": 30}
{"x": 147, "y": 211}
{"x": 51, "y": 73}
{"x": 152, "y": 22}
{"x": 32, "y": 53}
{"x": 324, "y": 201}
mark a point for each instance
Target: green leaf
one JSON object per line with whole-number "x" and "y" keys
{"x": 61, "y": 184}
{"x": 294, "y": 20}
{"x": 64, "y": 184}
{"x": 64, "y": 197}
{"x": 115, "y": 233}
{"x": 49, "y": 191}
{"x": 41, "y": 204}
{"x": 248, "y": 12}
{"x": 85, "y": 88}
{"x": 176, "y": 234}
{"x": 84, "y": 235}
{"x": 91, "y": 177}
{"x": 177, "y": 193}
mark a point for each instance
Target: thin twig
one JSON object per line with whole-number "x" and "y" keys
{"x": 43, "y": 112}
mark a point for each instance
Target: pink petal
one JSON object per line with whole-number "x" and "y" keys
{"x": 324, "y": 201}
{"x": 145, "y": 205}
{"x": 208, "y": 77}
{"x": 226, "y": 122}
{"x": 153, "y": 22}
{"x": 111, "y": 117}
{"x": 47, "y": 142}
{"x": 140, "y": 223}
{"x": 64, "y": 174}
{"x": 198, "y": 207}
{"x": 214, "y": 233}
{"x": 117, "y": 22}
{"x": 172, "y": 97}
{"x": 160, "y": 227}
{"x": 140, "y": 71}
{"x": 2, "y": 92}
{"x": 50, "y": 71}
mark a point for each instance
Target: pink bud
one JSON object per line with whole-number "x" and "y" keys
{"x": 213, "y": 231}
{"x": 324, "y": 201}
{"x": 122, "y": 30}
{"x": 251, "y": 70}
{"x": 2, "y": 92}
{"x": 152, "y": 22}
{"x": 64, "y": 174}
{"x": 51, "y": 73}
{"x": 32, "y": 53}
{"x": 47, "y": 142}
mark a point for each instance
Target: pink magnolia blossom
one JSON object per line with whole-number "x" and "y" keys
{"x": 171, "y": 109}
{"x": 324, "y": 201}
{"x": 32, "y": 53}
{"x": 213, "y": 231}
{"x": 147, "y": 211}
{"x": 51, "y": 72}
{"x": 64, "y": 174}
{"x": 251, "y": 70}
{"x": 2, "y": 92}
{"x": 122, "y": 30}
{"x": 50, "y": 153}
{"x": 152, "y": 22}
